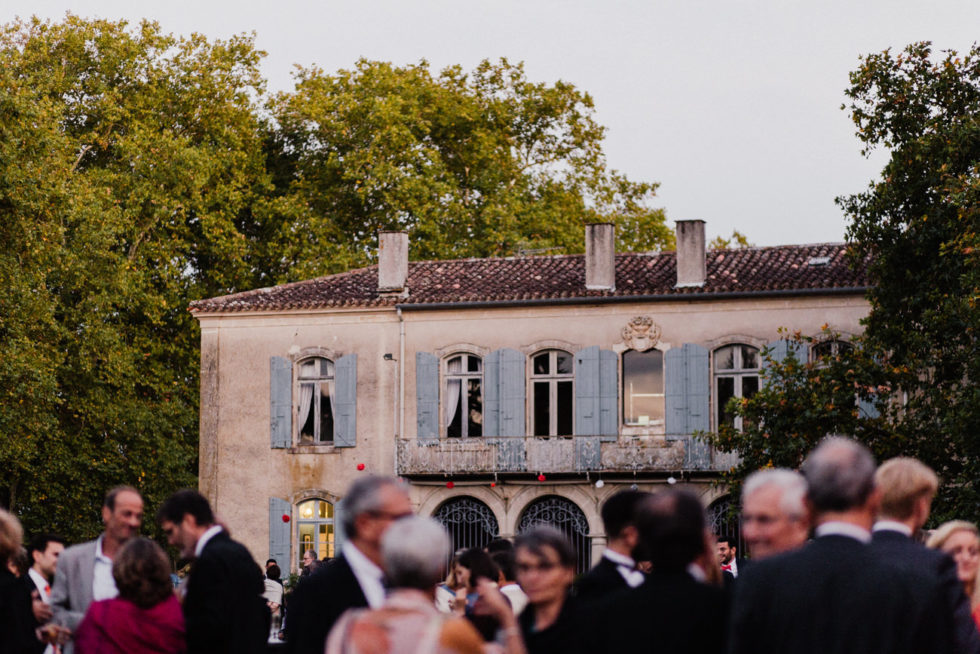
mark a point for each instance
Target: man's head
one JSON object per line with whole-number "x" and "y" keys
{"x": 309, "y": 558}
{"x": 774, "y": 516}
{"x": 671, "y": 529}
{"x": 184, "y": 518}
{"x": 44, "y": 550}
{"x": 907, "y": 487}
{"x": 619, "y": 519}
{"x": 371, "y": 505}
{"x": 726, "y": 549}
{"x": 122, "y": 513}
{"x": 414, "y": 553}
{"x": 270, "y": 562}
{"x": 840, "y": 477}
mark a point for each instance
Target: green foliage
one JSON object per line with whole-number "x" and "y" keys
{"x": 735, "y": 241}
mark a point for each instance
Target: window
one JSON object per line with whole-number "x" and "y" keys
{"x": 643, "y": 387}
{"x": 736, "y": 375}
{"x": 828, "y": 350}
{"x": 316, "y": 401}
{"x": 464, "y": 396}
{"x": 316, "y": 529}
{"x": 552, "y": 390}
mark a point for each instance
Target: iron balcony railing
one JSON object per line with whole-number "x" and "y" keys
{"x": 627, "y": 454}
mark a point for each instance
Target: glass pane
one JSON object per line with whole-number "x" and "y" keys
{"x": 541, "y": 364}
{"x": 306, "y": 541}
{"x": 725, "y": 358}
{"x": 750, "y": 384}
{"x": 307, "y": 369}
{"x": 645, "y": 409}
{"x": 454, "y": 426}
{"x": 564, "y": 408}
{"x": 474, "y": 364}
{"x": 307, "y": 428}
{"x": 326, "y": 368}
{"x": 750, "y": 357}
{"x": 307, "y": 509}
{"x": 643, "y": 386}
{"x": 564, "y": 363}
{"x": 455, "y": 365}
{"x": 326, "y": 413}
{"x": 726, "y": 391}
{"x": 325, "y": 542}
{"x": 475, "y": 409}
{"x": 542, "y": 422}
{"x": 324, "y": 510}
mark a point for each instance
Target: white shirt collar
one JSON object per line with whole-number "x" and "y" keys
{"x": 103, "y": 585}
{"x": 617, "y": 558}
{"x": 834, "y": 528}
{"x": 369, "y": 576}
{"x": 43, "y": 585}
{"x": 99, "y": 556}
{"x": 695, "y": 571}
{"x": 626, "y": 567}
{"x": 205, "y": 537}
{"x": 892, "y": 525}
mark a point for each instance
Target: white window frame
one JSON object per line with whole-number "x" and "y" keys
{"x": 738, "y": 373}
{"x": 464, "y": 376}
{"x": 316, "y": 521}
{"x": 316, "y": 381}
{"x": 551, "y": 379}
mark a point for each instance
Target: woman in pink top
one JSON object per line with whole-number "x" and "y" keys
{"x": 145, "y": 618}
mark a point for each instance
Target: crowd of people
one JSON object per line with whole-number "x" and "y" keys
{"x": 835, "y": 565}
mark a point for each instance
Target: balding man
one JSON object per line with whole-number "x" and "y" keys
{"x": 833, "y": 595}
{"x": 774, "y": 516}
{"x": 907, "y": 488}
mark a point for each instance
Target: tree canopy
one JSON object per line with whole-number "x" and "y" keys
{"x": 140, "y": 171}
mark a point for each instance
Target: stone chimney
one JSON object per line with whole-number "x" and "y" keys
{"x": 600, "y": 257}
{"x": 690, "y": 253}
{"x": 392, "y": 261}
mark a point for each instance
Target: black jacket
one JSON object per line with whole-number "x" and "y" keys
{"x": 317, "y": 603}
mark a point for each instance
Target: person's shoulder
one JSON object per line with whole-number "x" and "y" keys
{"x": 77, "y": 550}
{"x": 458, "y": 635}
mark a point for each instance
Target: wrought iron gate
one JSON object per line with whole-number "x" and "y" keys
{"x": 469, "y": 521}
{"x": 723, "y": 520}
{"x": 565, "y": 516}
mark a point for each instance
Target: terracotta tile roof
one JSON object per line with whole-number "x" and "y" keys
{"x": 749, "y": 270}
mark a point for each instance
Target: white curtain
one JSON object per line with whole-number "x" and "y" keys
{"x": 453, "y": 388}
{"x": 305, "y": 403}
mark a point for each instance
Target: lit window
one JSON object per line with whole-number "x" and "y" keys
{"x": 736, "y": 375}
{"x": 552, "y": 376}
{"x": 316, "y": 398}
{"x": 643, "y": 387}
{"x": 316, "y": 529}
{"x": 463, "y": 400}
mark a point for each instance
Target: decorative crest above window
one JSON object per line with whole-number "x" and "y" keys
{"x": 641, "y": 334}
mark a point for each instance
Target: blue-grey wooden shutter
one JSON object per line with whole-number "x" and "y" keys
{"x": 512, "y": 392}
{"x": 339, "y": 536}
{"x": 608, "y": 395}
{"x": 427, "y": 396}
{"x": 491, "y": 394}
{"x": 587, "y": 392}
{"x": 345, "y": 401}
{"x": 779, "y": 350}
{"x": 688, "y": 385}
{"x": 279, "y": 533}
{"x": 675, "y": 381}
{"x": 867, "y": 408}
{"x": 281, "y": 401}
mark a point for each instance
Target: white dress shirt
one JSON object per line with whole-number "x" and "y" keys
{"x": 892, "y": 525}
{"x": 44, "y": 590}
{"x": 626, "y": 567}
{"x": 103, "y": 585}
{"x": 369, "y": 576}
{"x": 205, "y": 537}
{"x": 843, "y": 529}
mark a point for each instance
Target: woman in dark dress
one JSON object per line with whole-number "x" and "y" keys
{"x": 545, "y": 564}
{"x": 16, "y": 620}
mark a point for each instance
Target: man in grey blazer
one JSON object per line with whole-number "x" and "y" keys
{"x": 85, "y": 570}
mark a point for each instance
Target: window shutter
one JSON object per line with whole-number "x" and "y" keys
{"x": 279, "y": 533}
{"x": 587, "y": 392}
{"x": 345, "y": 388}
{"x": 675, "y": 381}
{"x": 491, "y": 394}
{"x": 688, "y": 387}
{"x": 281, "y": 401}
{"x": 780, "y": 349}
{"x": 512, "y": 393}
{"x": 339, "y": 535}
{"x": 427, "y": 396}
{"x": 608, "y": 395}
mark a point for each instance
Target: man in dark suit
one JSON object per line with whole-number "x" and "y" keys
{"x": 616, "y": 570}
{"x": 907, "y": 489}
{"x": 224, "y": 611}
{"x": 671, "y": 611}
{"x": 833, "y": 595}
{"x": 354, "y": 579}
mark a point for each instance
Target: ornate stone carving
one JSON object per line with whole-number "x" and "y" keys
{"x": 641, "y": 334}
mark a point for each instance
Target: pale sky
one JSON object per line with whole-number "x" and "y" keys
{"x": 732, "y": 105}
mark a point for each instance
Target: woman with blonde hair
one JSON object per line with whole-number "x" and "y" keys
{"x": 961, "y": 540}
{"x": 16, "y": 620}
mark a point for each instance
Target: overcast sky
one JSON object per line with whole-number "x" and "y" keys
{"x": 732, "y": 105}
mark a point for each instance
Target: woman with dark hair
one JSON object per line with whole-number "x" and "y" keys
{"x": 545, "y": 565}
{"x": 16, "y": 620}
{"x": 145, "y": 618}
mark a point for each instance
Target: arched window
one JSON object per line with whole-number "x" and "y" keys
{"x": 469, "y": 521}
{"x": 736, "y": 375}
{"x": 828, "y": 350}
{"x": 565, "y": 516}
{"x": 315, "y": 410}
{"x": 315, "y": 529}
{"x": 643, "y": 387}
{"x": 463, "y": 397}
{"x": 552, "y": 393}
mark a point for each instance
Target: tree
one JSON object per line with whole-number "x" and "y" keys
{"x": 127, "y": 157}
{"x": 479, "y": 164}
{"x": 735, "y": 241}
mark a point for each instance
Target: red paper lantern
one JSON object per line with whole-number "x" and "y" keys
{"x": 541, "y": 477}
{"x": 450, "y": 484}
{"x": 285, "y": 517}
{"x": 360, "y": 466}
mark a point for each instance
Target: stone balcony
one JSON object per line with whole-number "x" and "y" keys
{"x": 576, "y": 454}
